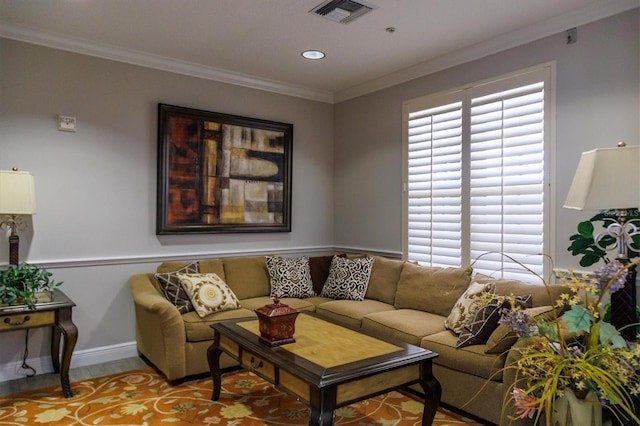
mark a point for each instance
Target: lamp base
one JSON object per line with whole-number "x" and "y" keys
{"x": 623, "y": 306}
{"x": 14, "y": 249}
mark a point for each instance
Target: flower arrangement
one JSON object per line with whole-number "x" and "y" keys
{"x": 579, "y": 350}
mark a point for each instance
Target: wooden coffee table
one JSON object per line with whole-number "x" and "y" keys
{"x": 328, "y": 366}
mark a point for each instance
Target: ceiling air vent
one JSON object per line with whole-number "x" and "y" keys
{"x": 343, "y": 11}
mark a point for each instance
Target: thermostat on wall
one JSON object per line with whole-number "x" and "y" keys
{"x": 66, "y": 123}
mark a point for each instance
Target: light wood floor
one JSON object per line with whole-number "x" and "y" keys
{"x": 75, "y": 374}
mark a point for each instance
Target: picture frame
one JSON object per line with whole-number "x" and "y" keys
{"x": 222, "y": 173}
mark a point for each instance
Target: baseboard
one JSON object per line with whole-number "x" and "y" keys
{"x": 42, "y": 365}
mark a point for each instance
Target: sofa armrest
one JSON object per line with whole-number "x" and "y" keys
{"x": 160, "y": 332}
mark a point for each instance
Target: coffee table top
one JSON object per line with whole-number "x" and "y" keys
{"x": 326, "y": 352}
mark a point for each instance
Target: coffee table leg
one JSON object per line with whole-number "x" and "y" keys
{"x": 213, "y": 356}
{"x": 432, "y": 392}
{"x": 323, "y": 404}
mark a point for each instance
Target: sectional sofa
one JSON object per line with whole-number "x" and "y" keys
{"x": 428, "y": 307}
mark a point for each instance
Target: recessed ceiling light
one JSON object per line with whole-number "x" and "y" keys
{"x": 313, "y": 54}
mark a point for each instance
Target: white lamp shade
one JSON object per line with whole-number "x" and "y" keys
{"x": 17, "y": 193}
{"x": 606, "y": 178}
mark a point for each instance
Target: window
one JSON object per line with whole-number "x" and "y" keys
{"x": 477, "y": 172}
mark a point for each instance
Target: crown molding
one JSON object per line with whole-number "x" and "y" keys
{"x": 147, "y": 60}
{"x": 595, "y": 11}
{"x": 557, "y": 24}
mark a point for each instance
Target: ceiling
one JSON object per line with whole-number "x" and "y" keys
{"x": 258, "y": 43}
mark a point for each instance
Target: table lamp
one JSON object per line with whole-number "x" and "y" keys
{"x": 609, "y": 179}
{"x": 17, "y": 198}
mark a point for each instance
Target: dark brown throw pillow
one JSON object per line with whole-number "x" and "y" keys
{"x": 478, "y": 328}
{"x": 169, "y": 283}
{"x": 319, "y": 266}
{"x": 503, "y": 337}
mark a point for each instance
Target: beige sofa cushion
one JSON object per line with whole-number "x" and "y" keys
{"x": 214, "y": 266}
{"x": 433, "y": 290}
{"x": 384, "y": 278}
{"x": 259, "y": 302}
{"x": 318, "y": 300}
{"x": 351, "y": 312}
{"x": 408, "y": 325}
{"x": 247, "y": 277}
{"x": 166, "y": 267}
{"x": 471, "y": 360}
{"x": 199, "y": 329}
{"x": 538, "y": 292}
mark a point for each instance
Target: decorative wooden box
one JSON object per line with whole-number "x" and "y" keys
{"x": 277, "y": 323}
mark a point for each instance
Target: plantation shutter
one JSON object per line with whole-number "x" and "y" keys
{"x": 434, "y": 184}
{"x": 507, "y": 177}
{"x": 476, "y": 177}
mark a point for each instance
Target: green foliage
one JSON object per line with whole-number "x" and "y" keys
{"x": 548, "y": 329}
{"x": 578, "y": 319}
{"x": 20, "y": 283}
{"x": 583, "y": 243}
{"x": 609, "y": 335}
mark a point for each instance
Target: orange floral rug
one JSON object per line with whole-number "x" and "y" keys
{"x": 143, "y": 397}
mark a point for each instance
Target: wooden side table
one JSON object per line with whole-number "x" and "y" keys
{"x": 55, "y": 314}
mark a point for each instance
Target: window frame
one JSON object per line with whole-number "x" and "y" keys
{"x": 465, "y": 94}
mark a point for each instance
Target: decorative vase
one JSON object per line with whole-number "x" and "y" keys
{"x": 277, "y": 323}
{"x": 572, "y": 411}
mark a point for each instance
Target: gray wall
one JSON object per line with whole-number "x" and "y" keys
{"x": 598, "y": 103}
{"x": 96, "y": 188}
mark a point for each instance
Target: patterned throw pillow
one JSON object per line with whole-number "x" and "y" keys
{"x": 467, "y": 305}
{"x": 170, "y": 286}
{"x": 348, "y": 278}
{"x": 208, "y": 293}
{"x": 290, "y": 277}
{"x": 478, "y": 328}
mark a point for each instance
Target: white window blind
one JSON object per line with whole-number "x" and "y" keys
{"x": 475, "y": 177}
{"x": 435, "y": 185}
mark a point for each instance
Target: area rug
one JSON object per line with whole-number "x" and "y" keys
{"x": 143, "y": 397}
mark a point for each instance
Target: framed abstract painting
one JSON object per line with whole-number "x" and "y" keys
{"x": 221, "y": 173}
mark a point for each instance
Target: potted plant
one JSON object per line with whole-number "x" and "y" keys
{"x": 21, "y": 284}
{"x": 578, "y": 358}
